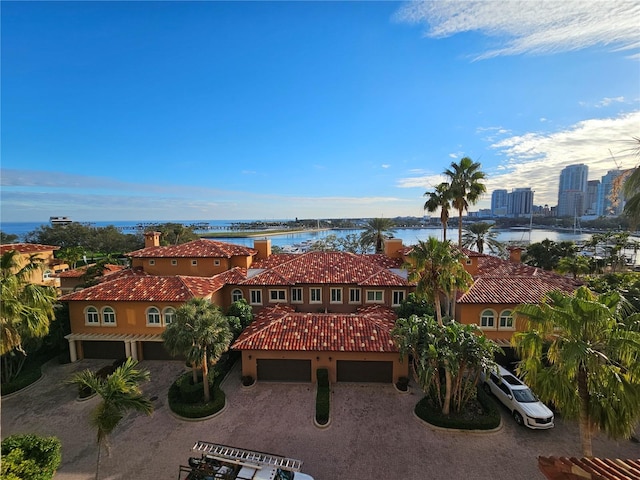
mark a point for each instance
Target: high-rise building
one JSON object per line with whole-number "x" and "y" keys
{"x": 499, "y": 203}
{"x": 591, "y": 198}
{"x": 610, "y": 200}
{"x": 572, "y": 190}
{"x": 520, "y": 202}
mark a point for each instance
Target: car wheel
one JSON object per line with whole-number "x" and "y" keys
{"x": 518, "y": 418}
{"x": 486, "y": 388}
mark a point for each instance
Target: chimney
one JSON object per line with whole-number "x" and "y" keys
{"x": 515, "y": 254}
{"x": 264, "y": 248}
{"x": 151, "y": 239}
{"x": 393, "y": 247}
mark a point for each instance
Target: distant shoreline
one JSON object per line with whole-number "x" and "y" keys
{"x": 258, "y": 233}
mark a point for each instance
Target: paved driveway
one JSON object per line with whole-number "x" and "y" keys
{"x": 373, "y": 433}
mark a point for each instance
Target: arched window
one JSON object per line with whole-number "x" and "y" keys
{"x": 153, "y": 316}
{"x": 236, "y": 295}
{"x": 487, "y": 319}
{"x": 108, "y": 316}
{"x": 506, "y": 319}
{"x": 169, "y": 315}
{"x": 91, "y": 316}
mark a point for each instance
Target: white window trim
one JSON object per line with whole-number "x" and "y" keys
{"x": 152, "y": 261}
{"x": 488, "y": 327}
{"x": 513, "y": 320}
{"x": 104, "y": 322}
{"x": 374, "y": 300}
{"x": 216, "y": 262}
{"x": 146, "y": 316}
{"x": 164, "y": 313}
{"x": 278, "y": 291}
{"x": 251, "y": 295}
{"x": 393, "y": 295}
{"x": 300, "y": 290}
{"x": 174, "y": 262}
{"x": 234, "y": 294}
{"x": 311, "y": 289}
{"x": 86, "y": 316}
{"x": 338, "y": 291}
{"x": 355, "y": 302}
{"x": 194, "y": 263}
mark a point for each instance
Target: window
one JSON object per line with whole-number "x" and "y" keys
{"x": 506, "y": 319}
{"x": 315, "y": 295}
{"x": 216, "y": 262}
{"x": 236, "y": 295}
{"x": 487, "y": 319}
{"x": 153, "y": 316}
{"x": 152, "y": 262}
{"x": 46, "y": 275}
{"x": 108, "y": 316}
{"x": 277, "y": 295}
{"x": 169, "y": 315}
{"x": 354, "y": 295}
{"x": 256, "y": 297}
{"x": 296, "y": 295}
{"x": 174, "y": 262}
{"x": 468, "y": 261}
{"x": 398, "y": 297}
{"x": 375, "y": 296}
{"x": 91, "y": 316}
{"x": 194, "y": 263}
{"x": 336, "y": 295}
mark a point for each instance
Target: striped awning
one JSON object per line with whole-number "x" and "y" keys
{"x": 501, "y": 342}
{"x": 115, "y": 337}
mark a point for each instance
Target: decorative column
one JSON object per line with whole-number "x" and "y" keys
{"x": 134, "y": 349}
{"x": 72, "y": 350}
{"x": 127, "y": 348}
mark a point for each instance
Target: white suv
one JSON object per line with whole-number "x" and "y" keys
{"x": 518, "y": 398}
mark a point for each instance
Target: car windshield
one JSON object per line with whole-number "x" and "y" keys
{"x": 524, "y": 395}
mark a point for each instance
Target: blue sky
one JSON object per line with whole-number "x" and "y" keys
{"x": 263, "y": 110}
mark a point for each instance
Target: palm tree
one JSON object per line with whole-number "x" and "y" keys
{"x": 632, "y": 190}
{"x": 120, "y": 392}
{"x": 576, "y": 265}
{"x": 438, "y": 273}
{"x": 26, "y": 309}
{"x": 466, "y": 187}
{"x": 440, "y": 198}
{"x": 376, "y": 231}
{"x": 480, "y": 234}
{"x": 201, "y": 333}
{"x": 582, "y": 353}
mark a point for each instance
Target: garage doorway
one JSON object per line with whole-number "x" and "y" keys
{"x": 277, "y": 370}
{"x": 103, "y": 349}
{"x": 364, "y": 371}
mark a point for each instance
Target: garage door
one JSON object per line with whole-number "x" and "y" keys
{"x": 101, "y": 349}
{"x": 363, "y": 371}
{"x": 272, "y": 370}
{"x": 156, "y": 351}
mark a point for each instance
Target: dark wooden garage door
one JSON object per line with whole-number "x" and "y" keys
{"x": 102, "y": 349}
{"x": 275, "y": 370}
{"x": 362, "y": 371}
{"x": 156, "y": 351}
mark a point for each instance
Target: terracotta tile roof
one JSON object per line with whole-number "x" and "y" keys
{"x": 281, "y": 328}
{"x": 563, "y": 468}
{"x": 80, "y": 271}
{"x": 195, "y": 249}
{"x": 26, "y": 248}
{"x": 501, "y": 281}
{"x": 323, "y": 268}
{"x": 147, "y": 288}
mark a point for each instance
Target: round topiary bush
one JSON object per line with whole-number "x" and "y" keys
{"x": 30, "y": 456}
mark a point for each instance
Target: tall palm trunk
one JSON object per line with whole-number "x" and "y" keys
{"x": 585, "y": 421}
{"x": 98, "y": 460}
{"x": 460, "y": 229}
{"x": 205, "y": 376}
{"x": 446, "y": 405}
{"x": 444, "y": 231}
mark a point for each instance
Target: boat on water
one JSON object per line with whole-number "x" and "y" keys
{"x": 60, "y": 220}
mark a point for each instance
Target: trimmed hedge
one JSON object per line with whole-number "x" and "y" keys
{"x": 30, "y": 456}
{"x": 323, "y": 402}
{"x": 489, "y": 419}
{"x": 29, "y": 374}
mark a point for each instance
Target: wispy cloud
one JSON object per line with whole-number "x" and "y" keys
{"x": 534, "y": 27}
{"x": 385, "y": 165}
{"x": 605, "y": 102}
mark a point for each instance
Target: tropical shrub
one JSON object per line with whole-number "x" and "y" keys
{"x": 30, "y": 457}
{"x": 480, "y": 414}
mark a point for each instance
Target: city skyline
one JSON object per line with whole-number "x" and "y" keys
{"x": 259, "y": 110}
